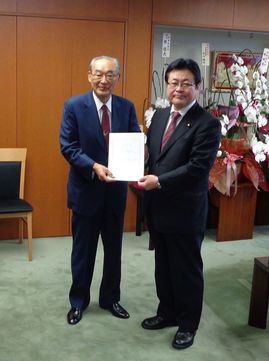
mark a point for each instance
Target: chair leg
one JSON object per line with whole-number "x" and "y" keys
{"x": 29, "y": 232}
{"x": 20, "y": 230}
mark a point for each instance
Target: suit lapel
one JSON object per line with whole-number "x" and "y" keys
{"x": 115, "y": 118}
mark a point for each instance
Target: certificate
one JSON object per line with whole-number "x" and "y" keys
{"x": 126, "y": 156}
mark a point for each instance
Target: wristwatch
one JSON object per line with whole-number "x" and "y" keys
{"x": 158, "y": 185}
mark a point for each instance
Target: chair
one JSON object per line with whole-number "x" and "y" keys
{"x": 12, "y": 204}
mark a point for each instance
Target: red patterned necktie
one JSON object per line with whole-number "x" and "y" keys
{"x": 170, "y": 129}
{"x": 105, "y": 123}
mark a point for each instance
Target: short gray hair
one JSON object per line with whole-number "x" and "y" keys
{"x": 113, "y": 60}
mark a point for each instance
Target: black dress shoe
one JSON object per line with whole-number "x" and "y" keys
{"x": 117, "y": 310}
{"x": 183, "y": 340}
{"x": 74, "y": 316}
{"x": 157, "y": 322}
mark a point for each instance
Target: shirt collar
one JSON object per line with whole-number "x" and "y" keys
{"x": 183, "y": 111}
{"x": 99, "y": 104}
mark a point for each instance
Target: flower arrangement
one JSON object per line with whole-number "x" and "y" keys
{"x": 244, "y": 149}
{"x": 158, "y": 84}
{"x": 148, "y": 113}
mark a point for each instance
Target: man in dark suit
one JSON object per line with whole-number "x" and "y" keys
{"x": 182, "y": 142}
{"x": 97, "y": 202}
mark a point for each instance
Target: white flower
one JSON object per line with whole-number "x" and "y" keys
{"x": 259, "y": 149}
{"x": 240, "y": 84}
{"x": 223, "y": 131}
{"x": 148, "y": 116}
{"x": 225, "y": 119}
{"x": 258, "y": 83}
{"x": 237, "y": 92}
{"x": 260, "y": 157}
{"x": 262, "y": 121}
{"x": 240, "y": 60}
{"x": 265, "y": 95}
{"x": 161, "y": 103}
{"x": 219, "y": 153}
{"x": 255, "y": 75}
{"x": 263, "y": 79}
{"x": 251, "y": 114}
{"x": 238, "y": 75}
{"x": 266, "y": 138}
{"x": 240, "y": 99}
{"x": 244, "y": 70}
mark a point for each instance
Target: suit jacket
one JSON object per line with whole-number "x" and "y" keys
{"x": 83, "y": 144}
{"x": 183, "y": 168}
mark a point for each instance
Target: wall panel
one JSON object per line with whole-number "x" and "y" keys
{"x": 105, "y": 9}
{"x": 44, "y": 81}
{"x": 86, "y": 45}
{"x": 201, "y": 13}
{"x": 253, "y": 16}
{"x": 7, "y": 5}
{"x": 8, "y": 81}
{"x": 137, "y": 84}
{"x": 8, "y": 228}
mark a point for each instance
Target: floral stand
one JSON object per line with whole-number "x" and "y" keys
{"x": 236, "y": 213}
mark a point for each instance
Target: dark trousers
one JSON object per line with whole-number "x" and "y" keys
{"x": 86, "y": 231}
{"x": 179, "y": 278}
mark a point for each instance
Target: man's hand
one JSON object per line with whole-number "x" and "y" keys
{"x": 103, "y": 173}
{"x": 148, "y": 182}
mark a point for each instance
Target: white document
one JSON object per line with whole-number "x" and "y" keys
{"x": 126, "y": 156}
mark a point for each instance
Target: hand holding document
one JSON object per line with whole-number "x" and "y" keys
{"x": 126, "y": 156}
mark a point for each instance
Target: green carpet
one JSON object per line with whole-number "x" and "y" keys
{"x": 34, "y": 303}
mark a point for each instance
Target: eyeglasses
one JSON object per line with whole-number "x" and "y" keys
{"x": 183, "y": 85}
{"x": 109, "y": 76}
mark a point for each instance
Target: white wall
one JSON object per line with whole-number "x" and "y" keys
{"x": 186, "y": 43}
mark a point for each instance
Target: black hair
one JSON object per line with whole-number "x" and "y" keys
{"x": 181, "y": 64}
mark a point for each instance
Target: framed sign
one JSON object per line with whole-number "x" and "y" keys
{"x": 222, "y": 61}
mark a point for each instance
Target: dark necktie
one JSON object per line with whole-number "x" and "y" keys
{"x": 105, "y": 123}
{"x": 170, "y": 129}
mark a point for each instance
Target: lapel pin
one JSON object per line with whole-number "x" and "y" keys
{"x": 188, "y": 125}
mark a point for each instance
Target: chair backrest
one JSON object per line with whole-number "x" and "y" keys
{"x": 12, "y": 172}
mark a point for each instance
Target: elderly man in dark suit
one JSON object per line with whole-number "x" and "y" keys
{"x": 182, "y": 142}
{"x": 97, "y": 202}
